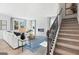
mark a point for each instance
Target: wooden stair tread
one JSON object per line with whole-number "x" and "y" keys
{"x": 69, "y": 27}
{"x": 70, "y": 24}
{"x": 68, "y": 39}
{"x": 75, "y": 52}
{"x": 69, "y": 46}
{"x": 68, "y": 34}
{"x": 74, "y": 31}
{"x": 70, "y": 30}
{"x": 69, "y": 21}
{"x": 63, "y": 52}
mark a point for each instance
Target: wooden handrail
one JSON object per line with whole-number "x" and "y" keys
{"x": 60, "y": 11}
{"x": 58, "y": 15}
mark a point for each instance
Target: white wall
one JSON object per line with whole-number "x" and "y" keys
{"x": 29, "y": 9}
{"x": 78, "y": 12}
{"x": 62, "y": 5}
{"x": 38, "y": 11}
{"x": 4, "y": 17}
{"x": 42, "y": 22}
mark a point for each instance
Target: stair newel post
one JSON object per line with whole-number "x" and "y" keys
{"x": 48, "y": 46}
{"x": 48, "y": 42}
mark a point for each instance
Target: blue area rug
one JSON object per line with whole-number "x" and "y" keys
{"x": 35, "y": 44}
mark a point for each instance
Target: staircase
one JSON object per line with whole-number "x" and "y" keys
{"x": 68, "y": 38}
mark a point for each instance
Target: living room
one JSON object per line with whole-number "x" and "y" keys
{"x": 31, "y": 21}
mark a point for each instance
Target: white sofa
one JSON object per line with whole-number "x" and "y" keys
{"x": 12, "y": 39}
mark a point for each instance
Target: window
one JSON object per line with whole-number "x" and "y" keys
{"x": 3, "y": 24}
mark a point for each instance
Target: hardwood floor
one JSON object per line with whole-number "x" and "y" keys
{"x": 4, "y": 47}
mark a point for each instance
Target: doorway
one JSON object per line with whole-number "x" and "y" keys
{"x": 31, "y": 26}
{"x": 70, "y": 8}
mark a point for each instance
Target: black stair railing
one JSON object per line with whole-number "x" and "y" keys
{"x": 51, "y": 34}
